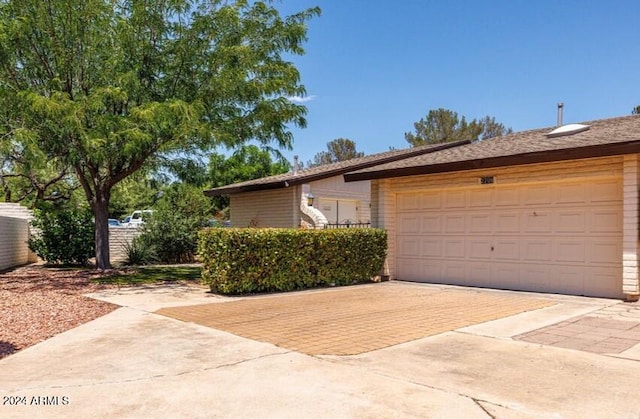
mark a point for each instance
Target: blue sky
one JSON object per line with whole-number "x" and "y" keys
{"x": 372, "y": 68}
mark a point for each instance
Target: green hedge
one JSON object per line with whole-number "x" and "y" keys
{"x": 249, "y": 260}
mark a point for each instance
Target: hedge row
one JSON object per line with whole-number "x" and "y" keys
{"x": 239, "y": 261}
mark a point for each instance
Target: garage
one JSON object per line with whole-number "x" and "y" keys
{"x": 557, "y": 236}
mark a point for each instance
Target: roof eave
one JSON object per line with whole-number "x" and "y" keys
{"x": 601, "y": 150}
{"x": 327, "y": 174}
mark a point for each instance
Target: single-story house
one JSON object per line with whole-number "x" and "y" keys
{"x": 283, "y": 200}
{"x": 549, "y": 210}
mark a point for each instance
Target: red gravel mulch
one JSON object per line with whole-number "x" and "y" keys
{"x": 38, "y": 302}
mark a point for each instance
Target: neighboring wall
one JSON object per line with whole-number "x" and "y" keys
{"x": 14, "y": 233}
{"x": 271, "y": 208}
{"x": 335, "y": 187}
{"x": 119, "y": 238}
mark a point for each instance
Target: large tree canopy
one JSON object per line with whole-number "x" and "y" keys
{"x": 102, "y": 87}
{"x": 340, "y": 149}
{"x": 442, "y": 125}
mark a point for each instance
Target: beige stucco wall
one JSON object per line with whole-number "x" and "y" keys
{"x": 272, "y": 208}
{"x": 14, "y": 233}
{"x": 630, "y": 248}
{"x": 336, "y": 188}
{"x": 386, "y": 190}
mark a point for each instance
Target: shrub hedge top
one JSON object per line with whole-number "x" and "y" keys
{"x": 246, "y": 260}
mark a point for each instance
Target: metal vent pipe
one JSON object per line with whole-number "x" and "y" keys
{"x": 560, "y": 106}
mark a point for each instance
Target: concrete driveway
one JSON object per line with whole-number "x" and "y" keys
{"x": 137, "y": 362}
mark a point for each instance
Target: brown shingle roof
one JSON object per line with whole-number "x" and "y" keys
{"x": 327, "y": 170}
{"x": 605, "y": 137}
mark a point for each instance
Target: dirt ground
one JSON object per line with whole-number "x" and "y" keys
{"x": 37, "y": 303}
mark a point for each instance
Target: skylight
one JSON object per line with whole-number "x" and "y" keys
{"x": 569, "y": 129}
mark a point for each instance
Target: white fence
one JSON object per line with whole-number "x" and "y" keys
{"x": 14, "y": 233}
{"x": 119, "y": 238}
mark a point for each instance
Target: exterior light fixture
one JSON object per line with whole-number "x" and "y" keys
{"x": 310, "y": 198}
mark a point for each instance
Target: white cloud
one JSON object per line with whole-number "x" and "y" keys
{"x": 301, "y": 99}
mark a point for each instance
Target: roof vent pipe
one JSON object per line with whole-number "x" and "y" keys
{"x": 296, "y": 166}
{"x": 560, "y": 106}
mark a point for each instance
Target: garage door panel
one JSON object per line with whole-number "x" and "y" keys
{"x": 603, "y": 282}
{"x": 554, "y": 237}
{"x": 507, "y": 275}
{"x": 480, "y": 223}
{"x": 454, "y": 248}
{"x": 431, "y": 200}
{"x": 454, "y": 223}
{"x": 570, "y": 221}
{"x": 454, "y": 273}
{"x": 571, "y": 193}
{"x": 569, "y": 250}
{"x": 408, "y": 223}
{"x": 568, "y": 279}
{"x": 481, "y": 198}
{"x": 409, "y": 246}
{"x": 605, "y": 220}
{"x": 507, "y": 222}
{"x": 537, "y": 250}
{"x": 537, "y": 195}
{"x": 535, "y": 277}
{"x": 505, "y": 197}
{"x": 507, "y": 249}
{"x": 478, "y": 273}
{"x": 407, "y": 202}
{"x": 479, "y": 248}
{"x": 431, "y": 248}
{"x": 454, "y": 199}
{"x": 431, "y": 224}
{"x": 605, "y": 191}
{"x": 605, "y": 251}
{"x": 538, "y": 221}
{"x": 410, "y": 269}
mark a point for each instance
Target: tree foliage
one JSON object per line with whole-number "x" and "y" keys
{"x": 443, "y": 125}
{"x": 636, "y": 110}
{"x": 171, "y": 234}
{"x": 247, "y": 163}
{"x": 103, "y": 87}
{"x": 340, "y": 149}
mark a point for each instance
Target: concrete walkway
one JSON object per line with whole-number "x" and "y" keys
{"x": 135, "y": 363}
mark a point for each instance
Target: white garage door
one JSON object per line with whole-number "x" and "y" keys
{"x": 554, "y": 237}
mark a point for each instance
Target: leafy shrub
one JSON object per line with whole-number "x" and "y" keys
{"x": 171, "y": 233}
{"x": 63, "y": 235}
{"x": 139, "y": 253}
{"x": 238, "y": 261}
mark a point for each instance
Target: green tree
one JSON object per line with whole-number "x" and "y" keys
{"x": 340, "y": 149}
{"x": 247, "y": 163}
{"x": 171, "y": 234}
{"x": 636, "y": 110}
{"x": 491, "y": 128}
{"x": 104, "y": 86}
{"x": 443, "y": 125}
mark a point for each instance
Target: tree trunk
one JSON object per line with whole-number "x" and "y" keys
{"x": 100, "y": 208}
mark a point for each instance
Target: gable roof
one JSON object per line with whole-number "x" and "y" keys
{"x": 328, "y": 170}
{"x": 605, "y": 137}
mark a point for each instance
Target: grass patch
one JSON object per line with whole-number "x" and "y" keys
{"x": 154, "y": 274}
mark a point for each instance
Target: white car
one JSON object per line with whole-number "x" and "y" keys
{"x": 138, "y": 217}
